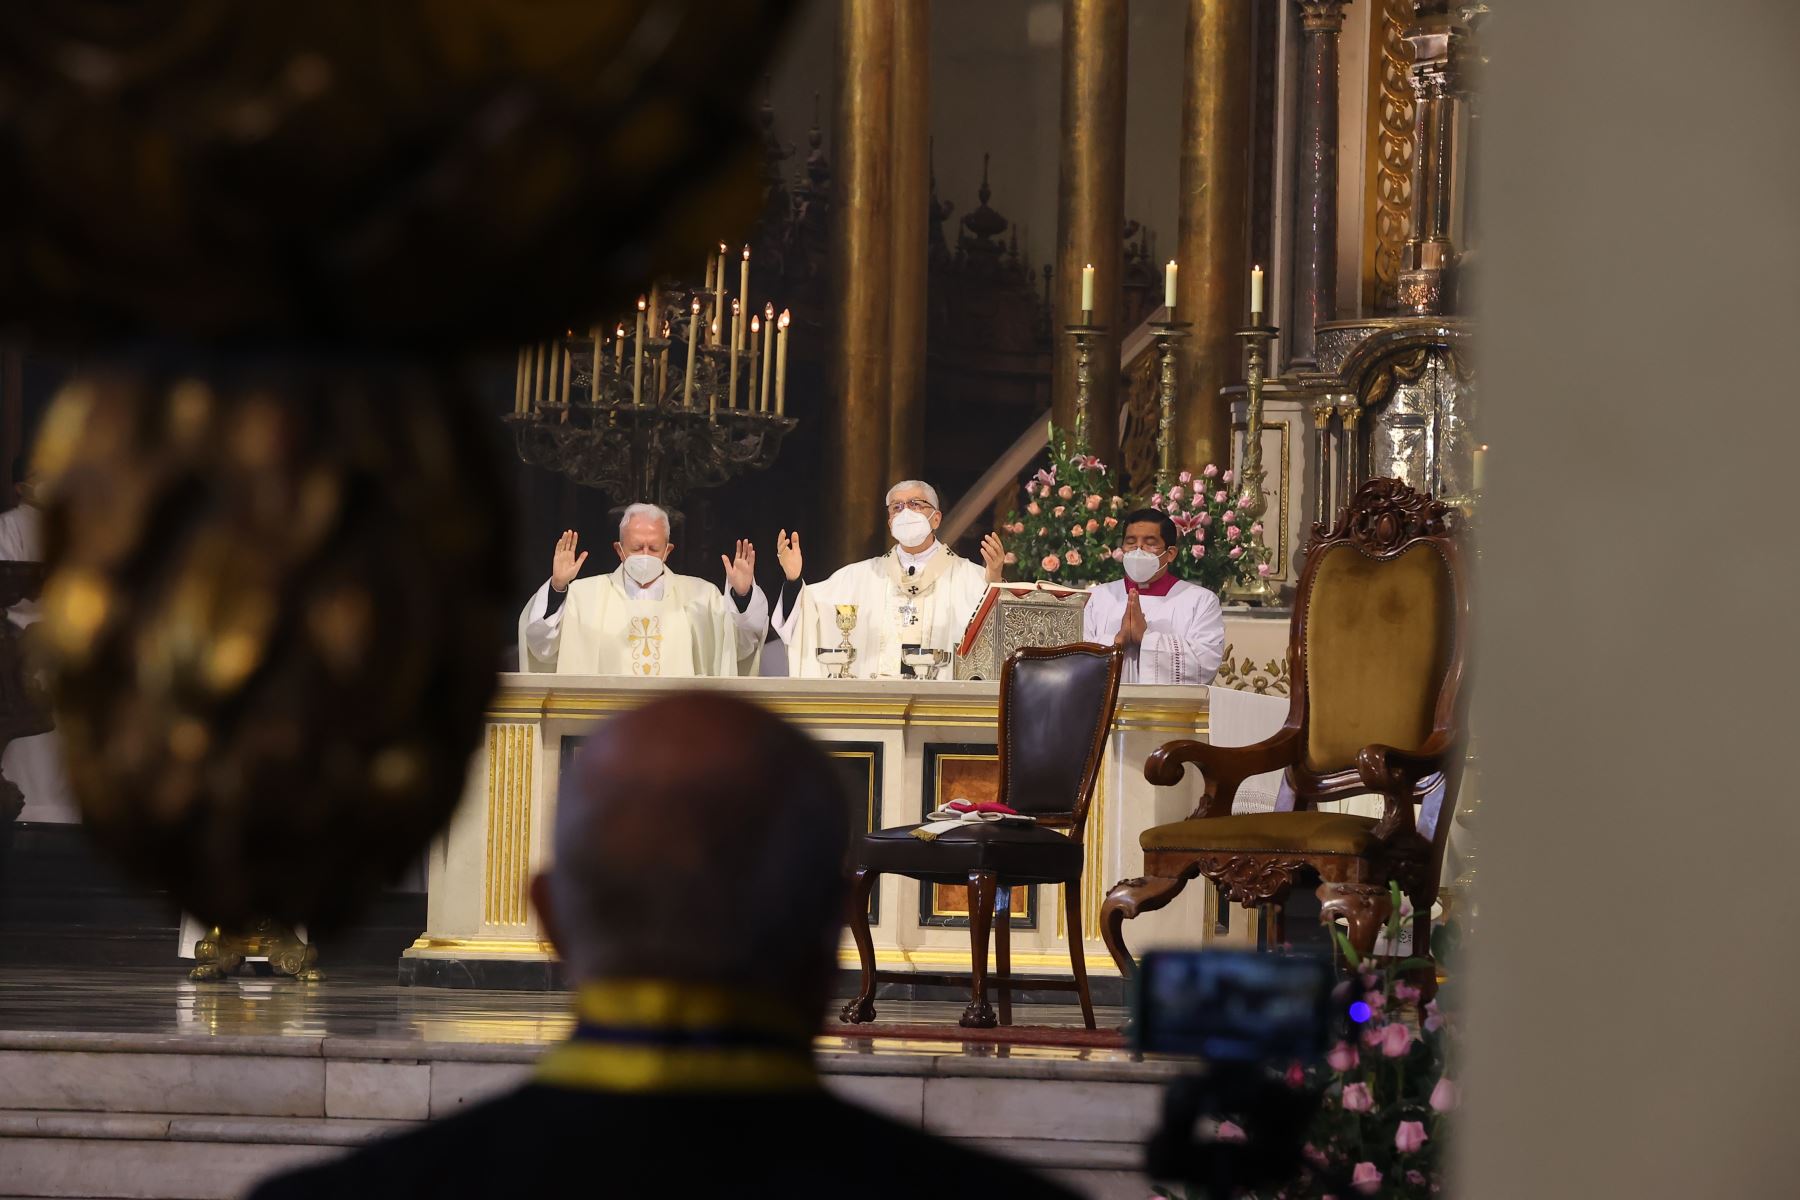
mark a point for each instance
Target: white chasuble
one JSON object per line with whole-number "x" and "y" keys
{"x": 1184, "y": 631}
{"x": 678, "y": 627}
{"x": 928, "y": 606}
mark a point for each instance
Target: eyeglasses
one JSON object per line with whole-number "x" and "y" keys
{"x": 918, "y": 506}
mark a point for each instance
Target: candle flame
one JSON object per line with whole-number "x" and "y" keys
{"x": 746, "y": 250}
{"x": 621, "y": 331}
{"x": 721, "y": 247}
{"x": 642, "y": 304}
{"x": 783, "y": 323}
{"x": 769, "y": 311}
{"x": 755, "y": 325}
{"x": 734, "y": 308}
{"x": 696, "y": 306}
{"x": 1171, "y": 262}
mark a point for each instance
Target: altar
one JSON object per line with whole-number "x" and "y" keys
{"x": 905, "y": 747}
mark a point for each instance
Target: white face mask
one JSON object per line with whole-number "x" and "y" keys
{"x": 643, "y": 569}
{"x": 910, "y": 528}
{"x": 1141, "y": 565}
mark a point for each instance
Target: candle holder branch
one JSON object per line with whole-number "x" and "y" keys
{"x": 1085, "y": 335}
{"x": 1168, "y": 335}
{"x": 1252, "y": 504}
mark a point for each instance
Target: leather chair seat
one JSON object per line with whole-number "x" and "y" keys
{"x": 1017, "y": 852}
{"x": 1297, "y": 832}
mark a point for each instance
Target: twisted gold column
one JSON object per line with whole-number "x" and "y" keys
{"x": 1090, "y": 211}
{"x": 857, "y": 412}
{"x": 1213, "y": 288}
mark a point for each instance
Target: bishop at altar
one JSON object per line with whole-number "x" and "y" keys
{"x": 643, "y": 619}
{"x": 920, "y": 593}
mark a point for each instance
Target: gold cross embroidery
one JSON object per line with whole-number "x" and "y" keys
{"x": 645, "y": 637}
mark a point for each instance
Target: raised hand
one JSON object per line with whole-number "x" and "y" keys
{"x": 993, "y": 557}
{"x": 787, "y": 553}
{"x": 566, "y": 564}
{"x": 740, "y": 572}
{"x": 1132, "y": 626}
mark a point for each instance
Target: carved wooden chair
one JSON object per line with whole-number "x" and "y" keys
{"x": 1379, "y": 699}
{"x": 1056, "y": 707}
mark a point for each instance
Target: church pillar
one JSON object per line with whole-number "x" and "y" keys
{"x": 1316, "y": 177}
{"x": 1429, "y": 257}
{"x": 1090, "y": 212}
{"x": 1214, "y": 284}
{"x": 909, "y": 247}
{"x": 858, "y": 430}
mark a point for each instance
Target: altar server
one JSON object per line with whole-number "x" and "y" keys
{"x": 33, "y": 764}
{"x": 919, "y": 593}
{"x": 643, "y": 619}
{"x": 1172, "y": 630}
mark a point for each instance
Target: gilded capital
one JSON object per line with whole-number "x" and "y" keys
{"x": 1322, "y": 16}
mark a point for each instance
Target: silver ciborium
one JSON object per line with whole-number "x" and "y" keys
{"x": 840, "y": 657}
{"x": 917, "y": 662}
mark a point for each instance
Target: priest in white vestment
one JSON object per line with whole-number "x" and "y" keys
{"x": 1172, "y": 631}
{"x": 33, "y": 764}
{"x": 920, "y": 593}
{"x": 643, "y": 619}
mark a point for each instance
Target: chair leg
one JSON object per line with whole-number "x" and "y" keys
{"x": 1365, "y": 906}
{"x": 1128, "y": 898}
{"x": 979, "y": 1014}
{"x": 861, "y": 1010}
{"x": 1003, "y": 949}
{"x": 1077, "y": 950}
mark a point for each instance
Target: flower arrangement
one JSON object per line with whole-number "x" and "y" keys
{"x": 1066, "y": 529}
{"x": 1385, "y": 1093}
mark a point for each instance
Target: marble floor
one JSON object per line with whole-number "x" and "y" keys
{"x": 347, "y": 1005}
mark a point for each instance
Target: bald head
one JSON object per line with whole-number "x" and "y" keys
{"x": 700, "y": 838}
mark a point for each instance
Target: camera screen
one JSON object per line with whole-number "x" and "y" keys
{"x": 1237, "y": 1006}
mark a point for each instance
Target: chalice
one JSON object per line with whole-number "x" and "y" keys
{"x": 840, "y": 658}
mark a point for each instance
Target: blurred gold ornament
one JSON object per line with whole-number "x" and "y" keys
{"x": 272, "y": 587}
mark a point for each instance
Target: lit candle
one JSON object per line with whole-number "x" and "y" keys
{"x": 768, "y": 351}
{"x": 1256, "y": 296}
{"x": 619, "y": 350}
{"x": 637, "y": 357}
{"x": 718, "y": 294}
{"x": 655, "y": 309}
{"x": 537, "y": 376}
{"x": 551, "y": 359}
{"x": 781, "y": 340}
{"x": 594, "y": 375}
{"x": 1480, "y": 471}
{"x": 736, "y": 333}
{"x": 756, "y": 404}
{"x": 687, "y": 391}
{"x": 519, "y": 384}
{"x": 662, "y": 366}
{"x": 1169, "y": 286}
{"x": 567, "y": 361}
{"x": 744, "y": 286}
{"x": 1087, "y": 292}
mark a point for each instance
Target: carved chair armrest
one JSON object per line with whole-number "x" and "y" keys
{"x": 1395, "y": 774}
{"x": 1223, "y": 768}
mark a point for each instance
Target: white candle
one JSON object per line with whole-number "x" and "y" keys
{"x": 519, "y": 385}
{"x": 744, "y": 287}
{"x": 687, "y": 391}
{"x": 1256, "y": 296}
{"x": 1480, "y": 471}
{"x": 1087, "y": 289}
{"x": 1169, "y": 286}
{"x": 594, "y": 375}
{"x": 637, "y": 357}
{"x": 755, "y": 343}
{"x": 736, "y": 334}
{"x": 781, "y": 340}
{"x": 718, "y": 294}
{"x": 619, "y": 349}
{"x": 768, "y": 351}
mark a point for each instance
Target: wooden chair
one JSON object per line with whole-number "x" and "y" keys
{"x": 1378, "y": 643}
{"x": 1056, "y": 707}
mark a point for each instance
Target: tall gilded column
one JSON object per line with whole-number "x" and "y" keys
{"x": 1214, "y": 284}
{"x": 1316, "y": 177}
{"x": 912, "y": 198}
{"x": 857, "y": 429}
{"x": 1090, "y": 211}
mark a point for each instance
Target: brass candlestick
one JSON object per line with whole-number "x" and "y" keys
{"x": 1250, "y": 472}
{"x": 1168, "y": 334}
{"x": 1085, "y": 335}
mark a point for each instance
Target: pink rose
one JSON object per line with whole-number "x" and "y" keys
{"x": 1206, "y": 518}
{"x": 1093, "y": 504}
{"x": 1211, "y": 471}
{"x": 1032, "y": 509}
{"x": 1176, "y": 492}
{"x": 1118, "y": 502}
{"x": 1264, "y": 570}
{"x": 1256, "y": 528}
{"x": 1111, "y": 521}
{"x": 1118, "y": 554}
{"x": 1366, "y": 1178}
{"x": 1231, "y": 1131}
{"x": 1371, "y": 1036}
{"x": 1237, "y": 552}
{"x": 1343, "y": 1057}
{"x": 1044, "y": 491}
{"x": 1156, "y": 500}
{"x": 1356, "y": 1098}
{"x": 1314, "y": 1155}
{"x": 1065, "y": 492}
{"x": 1051, "y": 563}
{"x": 1233, "y": 533}
{"x": 1197, "y": 550}
{"x": 1077, "y": 529}
{"x": 1228, "y": 516}
{"x": 1434, "y": 1020}
{"x": 1042, "y": 531}
{"x": 1017, "y": 527}
{"x": 1296, "y": 1075}
{"x": 1218, "y": 497}
{"x": 1010, "y": 557}
{"x": 1443, "y": 1096}
{"x": 1410, "y": 1137}
{"x": 1057, "y": 511}
{"x": 1416, "y": 1178}
{"x": 1226, "y": 477}
{"x": 1073, "y": 558}
{"x": 1396, "y": 1040}
{"x": 1186, "y": 477}
{"x": 1093, "y": 526}
{"x": 1406, "y": 991}
{"x": 1375, "y": 1000}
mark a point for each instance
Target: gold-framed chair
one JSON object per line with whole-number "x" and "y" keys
{"x": 1056, "y": 708}
{"x": 1378, "y": 645}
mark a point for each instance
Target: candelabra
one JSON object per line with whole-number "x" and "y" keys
{"x": 1252, "y": 503}
{"x": 1085, "y": 336}
{"x": 1167, "y": 334}
{"x": 611, "y": 415}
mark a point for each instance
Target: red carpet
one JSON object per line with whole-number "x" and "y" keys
{"x": 1004, "y": 1035}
